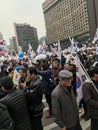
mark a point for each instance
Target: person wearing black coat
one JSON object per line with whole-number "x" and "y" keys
{"x": 47, "y": 89}
{"x": 6, "y": 122}
{"x": 16, "y": 104}
{"x": 34, "y": 95}
{"x": 23, "y": 76}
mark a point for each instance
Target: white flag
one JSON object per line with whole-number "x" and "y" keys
{"x": 59, "y": 46}
{"x": 84, "y": 47}
{"x": 97, "y": 49}
{"x": 73, "y": 45}
{"x": 30, "y": 48}
{"x": 31, "y": 51}
{"x": 96, "y": 37}
{"x": 59, "y": 51}
{"x": 81, "y": 77}
{"x": 40, "y": 50}
{"x": 55, "y": 44}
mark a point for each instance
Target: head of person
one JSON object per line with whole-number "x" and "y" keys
{"x": 71, "y": 66}
{"x": 55, "y": 63}
{"x": 66, "y": 78}
{"x": 93, "y": 73}
{"x": 6, "y": 83}
{"x": 23, "y": 72}
{"x": 4, "y": 67}
{"x": 44, "y": 66}
{"x": 32, "y": 73}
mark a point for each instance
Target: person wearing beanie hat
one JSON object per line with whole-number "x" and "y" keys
{"x": 64, "y": 104}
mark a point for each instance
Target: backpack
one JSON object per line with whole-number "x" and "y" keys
{"x": 6, "y": 122}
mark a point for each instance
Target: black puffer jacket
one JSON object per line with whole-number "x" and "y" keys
{"x": 17, "y": 107}
{"x": 1, "y": 94}
{"x": 34, "y": 95}
{"x": 6, "y": 122}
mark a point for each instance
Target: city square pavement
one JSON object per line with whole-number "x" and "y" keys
{"x": 49, "y": 124}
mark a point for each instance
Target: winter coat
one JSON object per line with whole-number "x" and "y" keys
{"x": 6, "y": 122}
{"x": 91, "y": 98}
{"x": 46, "y": 75}
{"x": 64, "y": 107}
{"x": 34, "y": 95}
{"x": 3, "y": 73}
{"x": 17, "y": 107}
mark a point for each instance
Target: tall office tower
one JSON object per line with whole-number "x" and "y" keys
{"x": 25, "y": 35}
{"x": 75, "y": 18}
{"x": 13, "y": 44}
{"x": 1, "y": 36}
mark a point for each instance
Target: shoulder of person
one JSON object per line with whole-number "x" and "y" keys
{"x": 56, "y": 90}
{"x": 87, "y": 86}
{"x": 2, "y": 107}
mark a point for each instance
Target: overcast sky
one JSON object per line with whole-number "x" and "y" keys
{"x": 21, "y": 11}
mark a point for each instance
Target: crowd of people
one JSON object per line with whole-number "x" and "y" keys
{"x": 21, "y": 106}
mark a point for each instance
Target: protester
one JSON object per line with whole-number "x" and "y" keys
{"x": 90, "y": 94}
{"x": 47, "y": 89}
{"x": 34, "y": 95}
{"x": 16, "y": 104}
{"x": 23, "y": 76}
{"x": 56, "y": 69}
{"x": 64, "y": 104}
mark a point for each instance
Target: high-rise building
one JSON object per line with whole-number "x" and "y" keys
{"x": 25, "y": 35}
{"x": 13, "y": 44}
{"x": 76, "y": 18}
{"x": 1, "y": 36}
